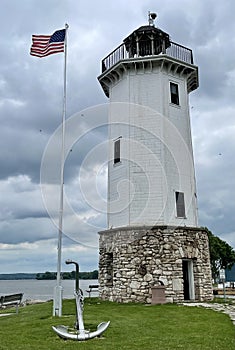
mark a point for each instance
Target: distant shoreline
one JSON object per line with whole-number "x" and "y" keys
{"x": 48, "y": 276}
{"x": 18, "y": 276}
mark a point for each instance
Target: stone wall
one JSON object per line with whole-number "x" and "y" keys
{"x": 133, "y": 259}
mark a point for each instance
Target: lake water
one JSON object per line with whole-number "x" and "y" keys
{"x": 43, "y": 289}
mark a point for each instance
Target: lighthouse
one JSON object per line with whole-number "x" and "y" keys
{"x": 152, "y": 243}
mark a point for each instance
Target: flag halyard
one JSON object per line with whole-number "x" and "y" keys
{"x": 45, "y": 45}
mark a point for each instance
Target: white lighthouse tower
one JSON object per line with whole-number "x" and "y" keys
{"x": 153, "y": 236}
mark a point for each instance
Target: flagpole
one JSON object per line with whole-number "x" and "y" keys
{"x": 57, "y": 303}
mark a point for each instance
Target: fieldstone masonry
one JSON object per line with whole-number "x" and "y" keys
{"x": 134, "y": 259}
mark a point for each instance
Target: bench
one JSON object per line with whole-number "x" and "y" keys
{"x": 92, "y": 288}
{"x": 11, "y": 300}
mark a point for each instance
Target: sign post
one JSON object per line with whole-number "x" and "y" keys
{"x": 222, "y": 277}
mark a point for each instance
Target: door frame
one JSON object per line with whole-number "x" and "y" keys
{"x": 188, "y": 264}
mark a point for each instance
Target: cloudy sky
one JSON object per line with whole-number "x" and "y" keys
{"x": 31, "y": 94}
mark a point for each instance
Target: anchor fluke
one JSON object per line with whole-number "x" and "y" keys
{"x": 65, "y": 333}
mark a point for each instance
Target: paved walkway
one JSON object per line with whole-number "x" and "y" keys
{"x": 225, "y": 308}
{"x": 1, "y": 315}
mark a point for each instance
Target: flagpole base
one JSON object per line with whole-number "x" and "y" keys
{"x": 57, "y": 301}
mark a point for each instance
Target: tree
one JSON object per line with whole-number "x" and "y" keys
{"x": 46, "y": 276}
{"x": 222, "y": 255}
{"x": 93, "y": 275}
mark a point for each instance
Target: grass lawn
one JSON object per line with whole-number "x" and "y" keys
{"x": 133, "y": 326}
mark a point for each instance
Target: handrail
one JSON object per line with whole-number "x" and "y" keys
{"x": 175, "y": 50}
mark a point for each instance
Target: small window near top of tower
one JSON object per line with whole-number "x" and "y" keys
{"x": 117, "y": 145}
{"x": 174, "y": 93}
{"x": 180, "y": 207}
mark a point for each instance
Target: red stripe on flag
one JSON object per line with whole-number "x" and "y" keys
{"x": 50, "y": 50}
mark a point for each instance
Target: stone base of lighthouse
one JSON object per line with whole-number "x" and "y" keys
{"x": 133, "y": 260}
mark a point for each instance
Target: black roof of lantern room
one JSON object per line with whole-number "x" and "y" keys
{"x": 149, "y": 45}
{"x": 147, "y": 40}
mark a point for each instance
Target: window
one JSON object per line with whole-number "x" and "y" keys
{"x": 117, "y": 151}
{"x": 180, "y": 207}
{"x": 174, "y": 93}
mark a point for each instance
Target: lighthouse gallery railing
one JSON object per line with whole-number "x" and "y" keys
{"x": 177, "y": 51}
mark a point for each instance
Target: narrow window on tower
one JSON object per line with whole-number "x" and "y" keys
{"x": 180, "y": 206}
{"x": 174, "y": 93}
{"x": 117, "y": 150}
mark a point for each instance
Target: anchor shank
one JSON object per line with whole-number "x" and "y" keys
{"x": 79, "y": 308}
{"x": 77, "y": 277}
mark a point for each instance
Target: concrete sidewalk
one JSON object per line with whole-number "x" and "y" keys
{"x": 1, "y": 315}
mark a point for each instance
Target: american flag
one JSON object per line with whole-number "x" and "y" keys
{"x": 44, "y": 45}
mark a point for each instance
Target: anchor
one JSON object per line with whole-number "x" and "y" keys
{"x": 79, "y": 332}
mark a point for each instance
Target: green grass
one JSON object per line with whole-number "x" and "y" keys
{"x": 227, "y": 301}
{"x": 133, "y": 326}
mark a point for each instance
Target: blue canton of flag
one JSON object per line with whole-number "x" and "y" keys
{"x": 45, "y": 45}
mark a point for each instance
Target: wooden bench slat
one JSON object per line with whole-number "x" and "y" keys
{"x": 12, "y": 298}
{"x": 91, "y": 289}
